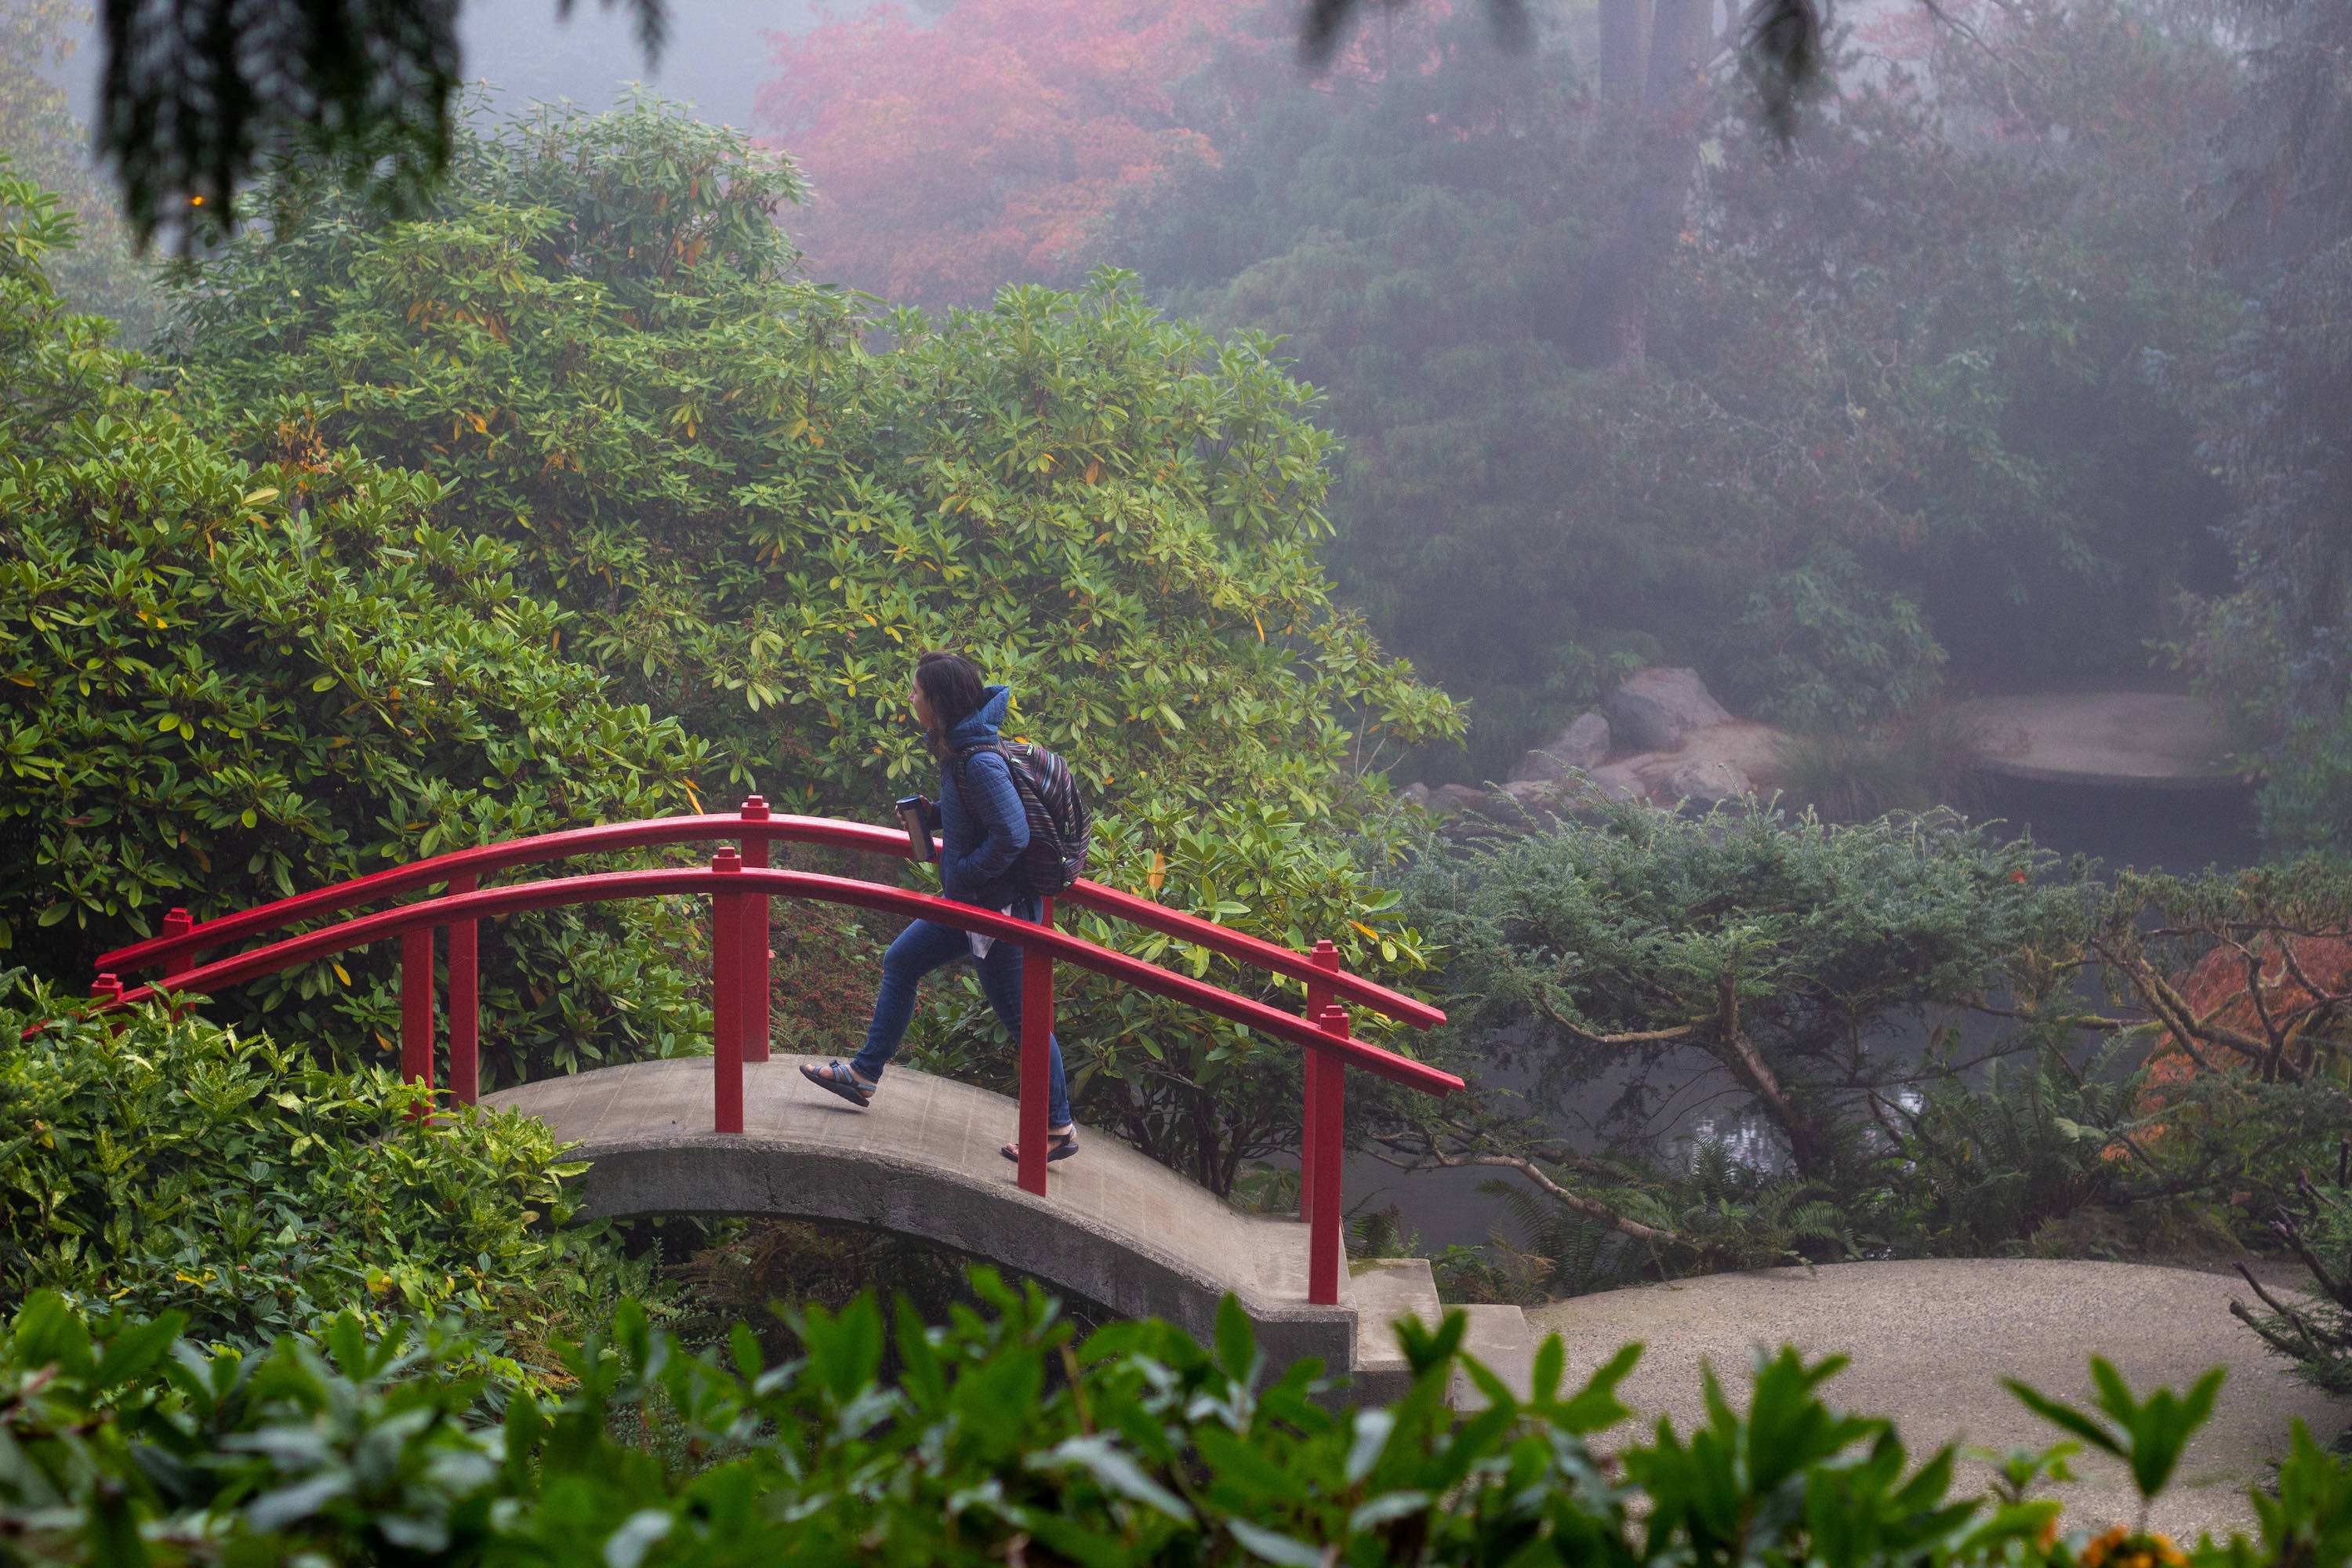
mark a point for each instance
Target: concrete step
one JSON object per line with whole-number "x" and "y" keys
{"x": 1383, "y": 1289}
{"x": 1386, "y": 1289}
{"x": 1500, "y": 1341}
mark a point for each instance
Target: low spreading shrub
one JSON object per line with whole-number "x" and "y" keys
{"x": 1005, "y": 1439}
{"x": 150, "y": 1163}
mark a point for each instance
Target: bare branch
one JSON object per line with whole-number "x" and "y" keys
{"x": 2270, "y": 1336}
{"x": 2287, "y": 1314}
{"x": 2072, "y": 1020}
{"x": 1632, "y": 1038}
{"x": 1432, "y": 1157}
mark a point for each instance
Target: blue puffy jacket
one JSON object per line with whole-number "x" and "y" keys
{"x": 982, "y": 826}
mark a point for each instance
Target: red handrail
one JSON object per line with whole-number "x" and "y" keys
{"x": 185, "y": 942}
{"x": 739, "y": 949}
{"x": 739, "y": 973}
{"x": 556, "y": 892}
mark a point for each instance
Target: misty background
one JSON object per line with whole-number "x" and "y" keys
{"x": 1649, "y": 584}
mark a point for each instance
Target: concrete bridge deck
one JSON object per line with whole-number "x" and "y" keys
{"x": 1116, "y": 1227}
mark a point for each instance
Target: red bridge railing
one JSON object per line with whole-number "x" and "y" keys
{"x": 740, "y": 887}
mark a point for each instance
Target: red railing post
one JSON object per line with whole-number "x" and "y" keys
{"x": 178, "y": 922}
{"x": 464, "y": 1003}
{"x": 1319, "y": 997}
{"x": 727, "y": 998}
{"x": 416, "y": 1007}
{"x": 1036, "y": 1032}
{"x": 756, "y": 983}
{"x": 1323, "y": 1239}
{"x": 107, "y": 991}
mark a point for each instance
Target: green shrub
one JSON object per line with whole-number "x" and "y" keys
{"x": 1819, "y": 644}
{"x": 756, "y": 499}
{"x": 1005, "y": 1439}
{"x": 221, "y": 684}
{"x": 1933, "y": 1042}
{"x": 156, "y": 1164}
{"x": 598, "y": 338}
{"x": 2314, "y": 1332}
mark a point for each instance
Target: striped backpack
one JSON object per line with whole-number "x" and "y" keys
{"x": 1061, "y": 827}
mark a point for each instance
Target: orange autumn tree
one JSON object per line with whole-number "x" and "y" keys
{"x": 949, "y": 156}
{"x": 952, "y": 155}
{"x": 2267, "y": 1001}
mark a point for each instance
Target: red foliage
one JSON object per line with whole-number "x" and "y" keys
{"x": 2215, "y": 990}
{"x": 951, "y": 156}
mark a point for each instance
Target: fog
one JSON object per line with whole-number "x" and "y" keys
{"x": 1455, "y": 474}
{"x": 716, "y": 56}
{"x": 715, "y": 59}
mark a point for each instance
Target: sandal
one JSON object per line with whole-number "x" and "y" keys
{"x": 838, "y": 1079}
{"x": 1058, "y": 1146}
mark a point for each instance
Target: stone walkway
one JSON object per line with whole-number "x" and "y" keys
{"x": 1930, "y": 1342}
{"x": 2144, "y": 739}
{"x": 1930, "y": 1339}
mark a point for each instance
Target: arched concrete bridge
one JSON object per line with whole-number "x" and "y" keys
{"x": 739, "y": 1133}
{"x": 1118, "y": 1228}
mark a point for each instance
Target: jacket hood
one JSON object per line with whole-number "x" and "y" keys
{"x": 979, "y": 727}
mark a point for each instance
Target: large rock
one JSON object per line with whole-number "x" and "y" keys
{"x": 1536, "y": 799}
{"x": 1616, "y": 781}
{"x": 1453, "y": 800}
{"x": 1656, "y": 710}
{"x": 1709, "y": 782}
{"x": 1414, "y": 793}
{"x": 1580, "y": 748}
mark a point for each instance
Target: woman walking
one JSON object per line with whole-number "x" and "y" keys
{"x": 985, "y": 827}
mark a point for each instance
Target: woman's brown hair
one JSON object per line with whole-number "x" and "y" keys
{"x": 953, "y": 689}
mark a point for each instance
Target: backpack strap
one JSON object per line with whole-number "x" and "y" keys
{"x": 1012, "y": 774}
{"x": 962, "y": 761}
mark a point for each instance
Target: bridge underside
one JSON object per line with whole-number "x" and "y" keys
{"x": 1116, "y": 1227}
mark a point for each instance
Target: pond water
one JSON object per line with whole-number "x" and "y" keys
{"x": 2153, "y": 830}
{"x": 2174, "y": 830}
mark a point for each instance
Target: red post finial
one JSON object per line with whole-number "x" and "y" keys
{"x": 755, "y": 808}
{"x": 727, "y": 860}
{"x": 107, "y": 988}
{"x": 1333, "y": 1020}
{"x": 176, "y": 920}
{"x": 1324, "y": 955}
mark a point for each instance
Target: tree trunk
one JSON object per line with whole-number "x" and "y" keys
{"x": 1620, "y": 50}
{"x": 1807, "y": 1147}
{"x": 1678, "y": 46}
{"x": 1611, "y": 323}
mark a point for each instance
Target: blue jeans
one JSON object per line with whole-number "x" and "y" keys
{"x": 926, "y": 945}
